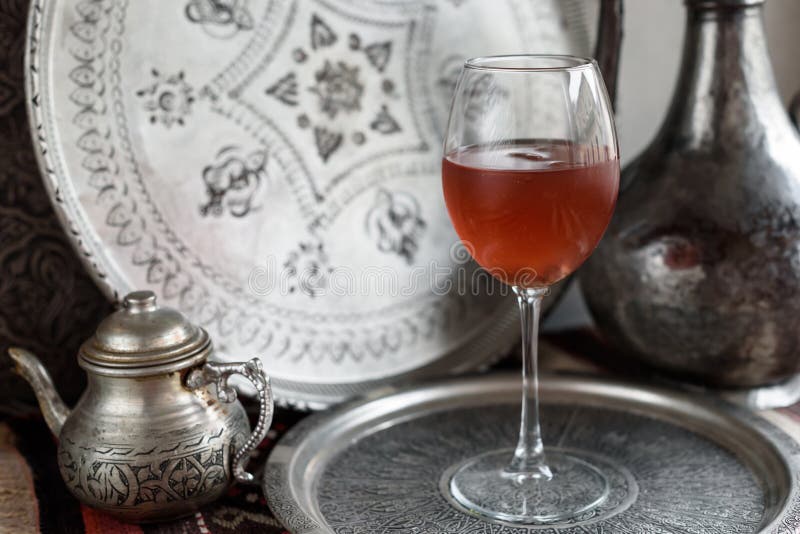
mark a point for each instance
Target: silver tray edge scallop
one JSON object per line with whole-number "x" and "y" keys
{"x": 300, "y": 457}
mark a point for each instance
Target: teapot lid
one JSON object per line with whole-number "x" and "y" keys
{"x": 142, "y": 339}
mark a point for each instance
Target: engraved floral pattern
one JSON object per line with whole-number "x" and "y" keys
{"x": 338, "y": 88}
{"x": 168, "y": 99}
{"x": 232, "y": 181}
{"x": 221, "y": 19}
{"x": 120, "y": 476}
{"x": 308, "y": 268}
{"x": 395, "y": 224}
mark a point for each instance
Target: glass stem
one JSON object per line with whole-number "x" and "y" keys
{"x": 529, "y": 458}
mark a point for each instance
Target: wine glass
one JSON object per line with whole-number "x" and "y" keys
{"x": 530, "y": 177}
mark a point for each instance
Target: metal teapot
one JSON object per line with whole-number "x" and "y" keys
{"x": 150, "y": 439}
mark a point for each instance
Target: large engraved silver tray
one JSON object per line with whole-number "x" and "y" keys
{"x": 270, "y": 168}
{"x": 683, "y": 463}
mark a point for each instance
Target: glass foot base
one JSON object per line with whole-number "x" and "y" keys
{"x": 483, "y": 486}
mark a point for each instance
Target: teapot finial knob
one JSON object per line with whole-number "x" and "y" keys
{"x": 140, "y": 301}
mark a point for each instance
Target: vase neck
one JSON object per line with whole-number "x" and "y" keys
{"x": 726, "y": 72}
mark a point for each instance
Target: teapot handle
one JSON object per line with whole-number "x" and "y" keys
{"x": 218, "y": 374}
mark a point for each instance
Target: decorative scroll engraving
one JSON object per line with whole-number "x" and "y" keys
{"x": 292, "y": 518}
{"x": 395, "y": 223}
{"x": 123, "y": 476}
{"x": 233, "y": 181}
{"x": 222, "y": 19}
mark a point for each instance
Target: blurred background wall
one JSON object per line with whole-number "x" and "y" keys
{"x": 651, "y": 55}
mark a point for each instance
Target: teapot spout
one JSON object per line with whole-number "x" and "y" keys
{"x": 31, "y": 369}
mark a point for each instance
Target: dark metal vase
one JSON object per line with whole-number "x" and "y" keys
{"x": 699, "y": 272}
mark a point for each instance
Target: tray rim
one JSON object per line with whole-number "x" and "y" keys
{"x": 281, "y": 466}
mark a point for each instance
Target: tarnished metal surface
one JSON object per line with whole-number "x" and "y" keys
{"x": 149, "y": 439}
{"x": 680, "y": 463}
{"x": 699, "y": 272}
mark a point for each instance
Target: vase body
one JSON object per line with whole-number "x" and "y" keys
{"x": 699, "y": 272}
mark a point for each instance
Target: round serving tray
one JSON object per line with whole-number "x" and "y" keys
{"x": 682, "y": 463}
{"x": 271, "y": 170}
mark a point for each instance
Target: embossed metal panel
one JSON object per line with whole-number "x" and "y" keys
{"x": 271, "y": 169}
